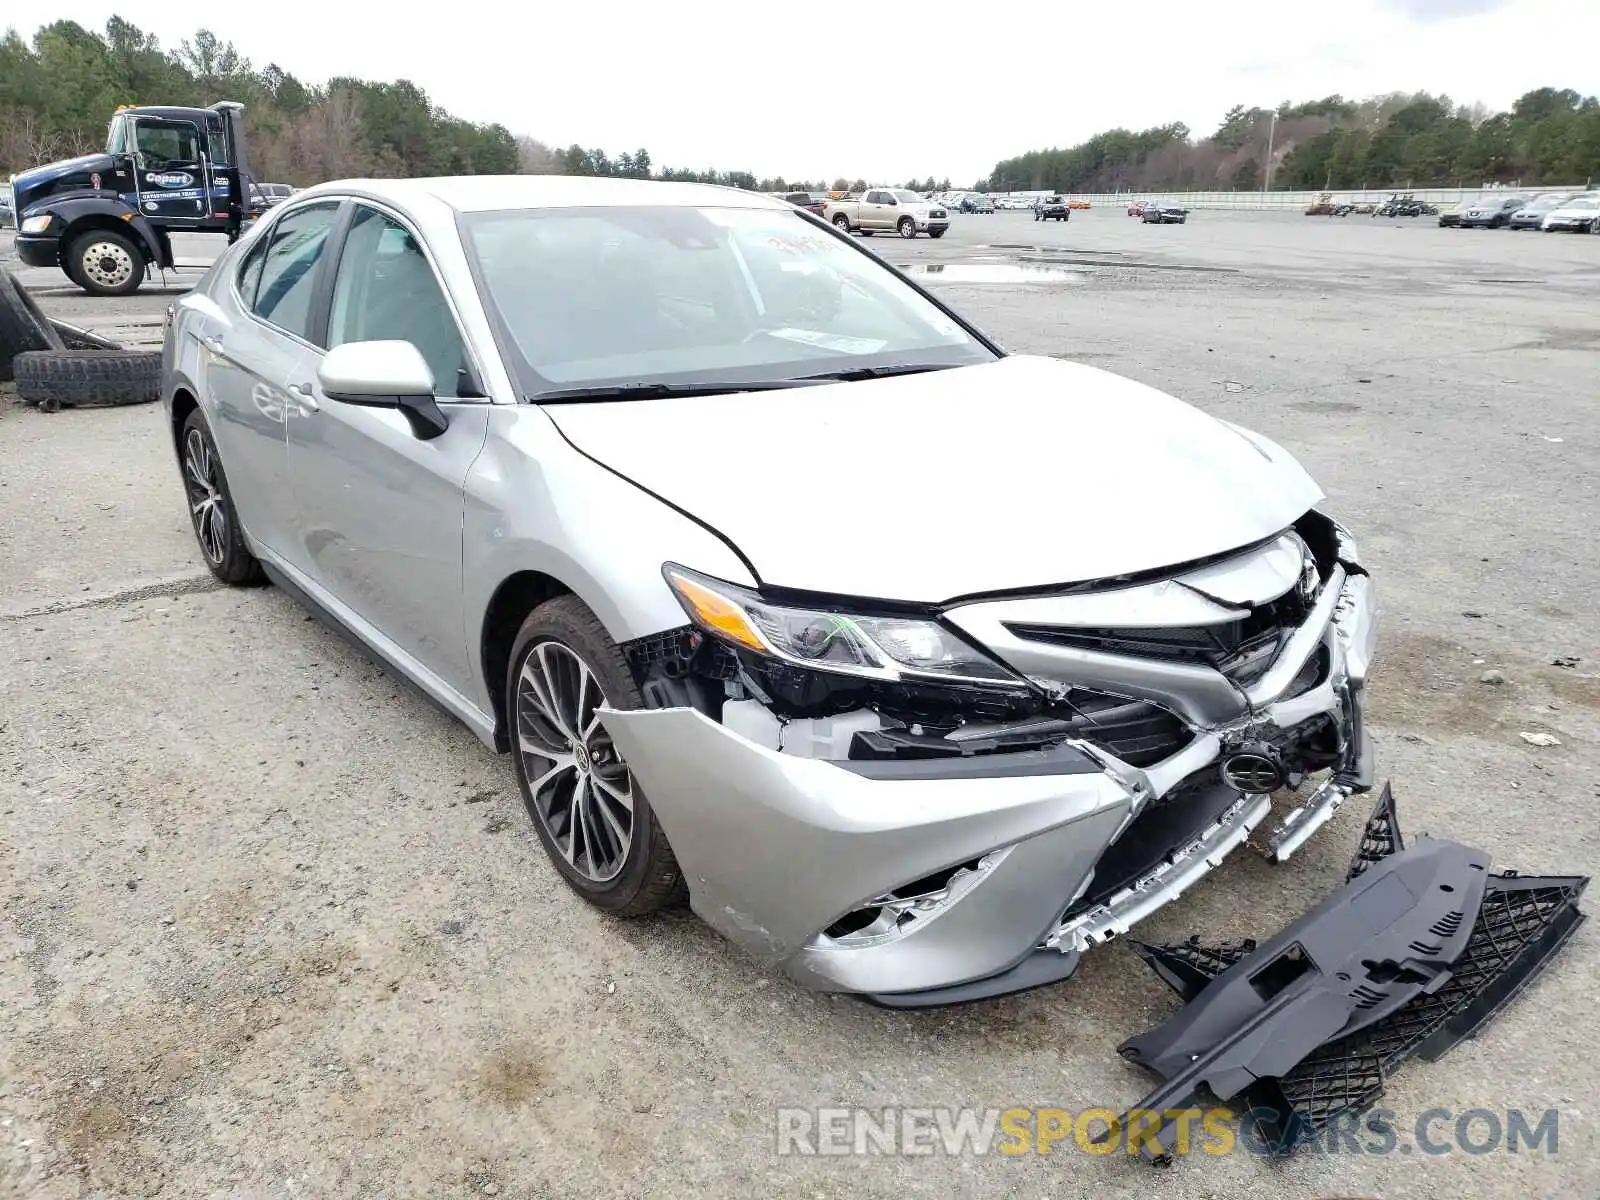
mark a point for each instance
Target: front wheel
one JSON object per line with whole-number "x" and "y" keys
{"x": 907, "y": 227}
{"x": 104, "y": 262}
{"x": 936, "y": 233}
{"x": 842, "y": 223}
{"x": 587, "y": 808}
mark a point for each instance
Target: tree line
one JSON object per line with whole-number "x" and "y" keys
{"x": 59, "y": 90}
{"x": 1549, "y": 136}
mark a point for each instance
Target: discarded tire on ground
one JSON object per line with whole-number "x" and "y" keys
{"x": 55, "y": 379}
{"x": 22, "y": 326}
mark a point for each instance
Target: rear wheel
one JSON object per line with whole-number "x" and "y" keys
{"x": 907, "y": 227}
{"x": 211, "y": 511}
{"x": 842, "y": 223}
{"x": 104, "y": 262}
{"x": 589, "y": 812}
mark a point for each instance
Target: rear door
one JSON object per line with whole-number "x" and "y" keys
{"x": 258, "y": 334}
{"x": 876, "y": 212}
{"x": 170, "y": 172}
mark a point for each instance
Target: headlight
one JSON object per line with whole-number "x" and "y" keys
{"x": 875, "y": 647}
{"x": 37, "y": 224}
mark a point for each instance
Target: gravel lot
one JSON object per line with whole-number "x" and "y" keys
{"x": 270, "y": 924}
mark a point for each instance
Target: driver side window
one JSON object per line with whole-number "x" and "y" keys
{"x": 386, "y": 291}
{"x": 168, "y": 143}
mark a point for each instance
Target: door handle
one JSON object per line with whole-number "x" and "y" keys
{"x": 213, "y": 344}
{"x": 301, "y": 393}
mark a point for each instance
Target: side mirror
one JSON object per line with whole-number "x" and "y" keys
{"x": 384, "y": 375}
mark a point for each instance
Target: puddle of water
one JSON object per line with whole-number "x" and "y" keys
{"x": 992, "y": 273}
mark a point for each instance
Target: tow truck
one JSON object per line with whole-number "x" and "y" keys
{"x": 107, "y": 219}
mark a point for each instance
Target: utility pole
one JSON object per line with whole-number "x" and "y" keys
{"x": 1272, "y": 133}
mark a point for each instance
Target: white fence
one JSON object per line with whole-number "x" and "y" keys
{"x": 1289, "y": 201}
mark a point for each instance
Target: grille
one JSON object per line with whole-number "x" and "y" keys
{"x": 1241, "y": 650}
{"x": 1138, "y": 733}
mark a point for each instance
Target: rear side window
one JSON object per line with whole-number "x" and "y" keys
{"x": 289, "y": 256}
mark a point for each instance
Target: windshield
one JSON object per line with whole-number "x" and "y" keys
{"x": 602, "y": 296}
{"x": 1583, "y": 202}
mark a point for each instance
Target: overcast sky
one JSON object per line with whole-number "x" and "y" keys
{"x": 924, "y": 86}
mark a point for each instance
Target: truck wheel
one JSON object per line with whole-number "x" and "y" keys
{"x": 842, "y": 223}
{"x": 57, "y": 378}
{"x": 104, "y": 262}
{"x": 936, "y": 233}
{"x": 23, "y": 327}
{"x": 907, "y": 227}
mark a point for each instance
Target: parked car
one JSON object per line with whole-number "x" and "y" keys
{"x": 1328, "y": 205}
{"x": 893, "y": 209}
{"x": 1080, "y": 205}
{"x": 1581, "y": 214}
{"x": 1532, "y": 214}
{"x": 1406, "y": 205}
{"x": 806, "y": 200}
{"x": 1137, "y": 207}
{"x": 1450, "y": 214}
{"x": 972, "y": 203}
{"x": 8, "y": 213}
{"x": 435, "y": 410}
{"x": 1491, "y": 212}
{"x": 1052, "y": 208}
{"x": 1162, "y": 212}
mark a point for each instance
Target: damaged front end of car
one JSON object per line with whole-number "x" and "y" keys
{"x": 925, "y": 805}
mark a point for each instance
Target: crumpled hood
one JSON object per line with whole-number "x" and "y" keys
{"x": 1025, "y": 472}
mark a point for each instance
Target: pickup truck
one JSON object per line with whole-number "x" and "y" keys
{"x": 897, "y": 209}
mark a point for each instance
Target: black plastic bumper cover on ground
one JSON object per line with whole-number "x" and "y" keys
{"x": 1258, "y": 1050}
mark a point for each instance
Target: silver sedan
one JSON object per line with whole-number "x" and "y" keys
{"x": 918, "y": 668}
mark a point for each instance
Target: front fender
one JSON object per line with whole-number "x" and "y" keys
{"x": 533, "y": 503}
{"x": 80, "y": 212}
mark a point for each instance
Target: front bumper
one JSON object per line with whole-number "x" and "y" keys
{"x": 932, "y": 224}
{"x": 968, "y": 867}
{"x": 39, "y": 249}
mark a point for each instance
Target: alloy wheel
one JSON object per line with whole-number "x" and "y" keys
{"x": 582, "y": 790}
{"x": 206, "y": 505}
{"x": 106, "y": 264}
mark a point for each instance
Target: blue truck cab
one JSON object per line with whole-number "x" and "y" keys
{"x": 106, "y": 219}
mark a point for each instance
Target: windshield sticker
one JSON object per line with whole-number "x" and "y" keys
{"x": 830, "y": 341}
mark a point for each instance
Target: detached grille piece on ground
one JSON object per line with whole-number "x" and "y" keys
{"x": 1312, "y": 1022}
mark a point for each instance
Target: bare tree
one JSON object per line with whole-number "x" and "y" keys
{"x": 536, "y": 158}
{"x": 26, "y": 141}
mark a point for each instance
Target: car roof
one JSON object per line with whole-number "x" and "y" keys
{"x": 488, "y": 193}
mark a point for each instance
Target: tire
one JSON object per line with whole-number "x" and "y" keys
{"x": 216, "y": 526}
{"x": 867, "y": 232}
{"x": 66, "y": 378}
{"x": 555, "y": 641}
{"x": 907, "y": 228}
{"x": 105, "y": 262}
{"x": 23, "y": 328}
{"x": 936, "y": 233}
{"x": 842, "y": 223}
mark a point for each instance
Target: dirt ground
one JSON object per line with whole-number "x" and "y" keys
{"x": 272, "y": 925}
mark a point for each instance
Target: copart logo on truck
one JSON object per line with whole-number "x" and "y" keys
{"x": 169, "y": 179}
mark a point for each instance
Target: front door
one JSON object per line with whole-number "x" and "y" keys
{"x": 170, "y": 171}
{"x": 380, "y": 510}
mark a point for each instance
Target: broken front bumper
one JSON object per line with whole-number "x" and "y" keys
{"x": 932, "y": 880}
